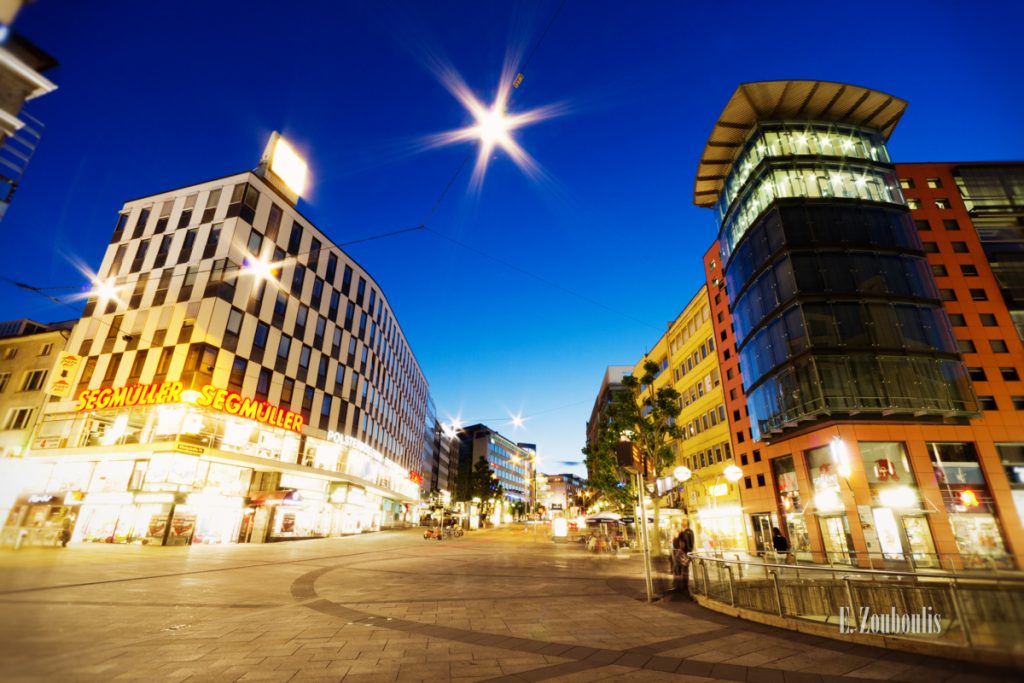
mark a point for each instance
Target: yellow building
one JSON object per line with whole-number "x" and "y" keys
{"x": 688, "y": 360}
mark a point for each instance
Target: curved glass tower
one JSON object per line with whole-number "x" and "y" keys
{"x": 835, "y": 309}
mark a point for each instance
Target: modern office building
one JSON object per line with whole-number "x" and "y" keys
{"x": 241, "y": 378}
{"x": 514, "y": 465}
{"x": 854, "y": 417}
{"x": 21, "y": 79}
{"x": 561, "y": 493}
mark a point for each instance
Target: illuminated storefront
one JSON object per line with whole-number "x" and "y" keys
{"x": 792, "y": 508}
{"x": 969, "y": 504}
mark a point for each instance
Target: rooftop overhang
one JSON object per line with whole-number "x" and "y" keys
{"x": 786, "y": 100}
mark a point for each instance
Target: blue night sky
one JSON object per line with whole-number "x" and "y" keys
{"x": 153, "y": 96}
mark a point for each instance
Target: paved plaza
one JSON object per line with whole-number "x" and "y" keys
{"x": 496, "y": 605}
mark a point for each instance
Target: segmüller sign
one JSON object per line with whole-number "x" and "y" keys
{"x": 209, "y": 396}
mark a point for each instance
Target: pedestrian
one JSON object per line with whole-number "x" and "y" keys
{"x": 780, "y": 543}
{"x": 682, "y": 546}
{"x": 65, "y": 532}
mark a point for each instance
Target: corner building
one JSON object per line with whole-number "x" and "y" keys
{"x": 849, "y": 403}
{"x": 213, "y": 405}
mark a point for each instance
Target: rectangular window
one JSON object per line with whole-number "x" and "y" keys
{"x": 1008, "y": 374}
{"x": 957, "y": 320}
{"x": 212, "y": 242}
{"x": 922, "y": 225}
{"x": 259, "y": 337}
{"x": 211, "y": 206}
{"x": 185, "y": 218}
{"x": 965, "y": 346}
{"x": 947, "y": 294}
{"x": 140, "y": 256}
{"x": 113, "y": 363}
{"x": 959, "y": 247}
{"x": 968, "y": 270}
{"x": 280, "y": 308}
{"x": 263, "y": 384}
{"x": 274, "y": 222}
{"x": 346, "y": 280}
{"x": 332, "y": 267}
{"x": 978, "y": 295}
{"x": 5, "y": 377}
{"x": 998, "y": 346}
{"x": 140, "y": 224}
{"x": 295, "y": 239}
{"x": 987, "y": 403}
{"x": 361, "y": 291}
{"x": 237, "y": 376}
{"x": 907, "y": 183}
{"x": 317, "y": 294}
{"x": 939, "y": 270}
{"x": 976, "y": 374}
{"x": 988, "y": 320}
{"x": 34, "y": 380}
{"x": 942, "y": 203}
{"x": 950, "y": 224}
{"x": 930, "y": 247}
{"x": 913, "y": 204}
{"x": 164, "y": 219}
{"x": 122, "y": 220}
{"x": 185, "y": 255}
{"x": 287, "y": 391}
{"x": 298, "y": 278}
{"x": 18, "y": 418}
{"x": 934, "y": 183}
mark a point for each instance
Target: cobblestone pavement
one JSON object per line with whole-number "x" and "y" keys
{"x": 497, "y": 605}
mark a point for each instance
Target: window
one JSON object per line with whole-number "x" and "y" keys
{"x": 33, "y": 380}
{"x": 301, "y": 317}
{"x": 45, "y": 349}
{"x": 140, "y": 256}
{"x": 976, "y": 374}
{"x": 140, "y": 224}
{"x": 211, "y": 242}
{"x": 113, "y": 363}
{"x": 237, "y": 376}
{"x": 263, "y": 384}
{"x": 997, "y": 345}
{"x": 187, "y": 245}
{"x": 969, "y": 270}
{"x": 135, "y": 372}
{"x": 122, "y": 220}
{"x": 295, "y": 239}
{"x": 939, "y": 270}
{"x": 259, "y": 338}
{"x": 18, "y": 418}
{"x": 211, "y": 206}
{"x": 317, "y": 294}
{"x": 988, "y": 319}
{"x": 930, "y": 247}
{"x": 284, "y": 347}
{"x": 1018, "y": 402}
{"x": 307, "y": 400}
{"x": 332, "y": 267}
{"x": 361, "y": 291}
{"x": 965, "y": 346}
{"x": 5, "y": 377}
{"x": 287, "y": 390}
{"x": 942, "y": 203}
{"x": 959, "y": 247}
{"x": 298, "y": 278}
{"x": 978, "y": 295}
{"x": 934, "y": 183}
{"x": 957, "y": 320}
{"x": 165, "y": 217}
{"x": 950, "y": 224}
{"x": 1009, "y": 374}
{"x": 913, "y": 204}
{"x": 346, "y": 280}
{"x": 947, "y": 294}
{"x": 907, "y": 183}
{"x": 185, "y": 218}
{"x": 273, "y": 222}
{"x": 987, "y": 403}
{"x": 314, "y": 253}
{"x": 760, "y": 480}
{"x": 922, "y": 225}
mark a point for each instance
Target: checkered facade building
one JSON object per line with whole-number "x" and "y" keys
{"x": 321, "y": 340}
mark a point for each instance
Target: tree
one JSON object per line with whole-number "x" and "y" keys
{"x": 484, "y": 484}
{"x": 605, "y": 479}
{"x": 647, "y": 419}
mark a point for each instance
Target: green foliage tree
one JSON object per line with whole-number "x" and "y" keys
{"x": 605, "y": 479}
{"x": 484, "y": 484}
{"x": 646, "y": 418}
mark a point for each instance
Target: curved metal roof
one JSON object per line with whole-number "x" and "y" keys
{"x": 782, "y": 100}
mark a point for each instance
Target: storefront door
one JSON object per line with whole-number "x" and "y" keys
{"x": 762, "y": 532}
{"x": 835, "y": 532}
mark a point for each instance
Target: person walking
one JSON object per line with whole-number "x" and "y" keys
{"x": 64, "y": 535}
{"x": 781, "y": 544}
{"x": 682, "y": 546}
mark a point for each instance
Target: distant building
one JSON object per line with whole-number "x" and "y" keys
{"x": 28, "y": 351}
{"x": 513, "y": 465}
{"x": 562, "y": 492}
{"x": 21, "y": 79}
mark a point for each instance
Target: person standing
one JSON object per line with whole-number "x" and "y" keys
{"x": 64, "y": 535}
{"x": 781, "y": 544}
{"x": 682, "y": 546}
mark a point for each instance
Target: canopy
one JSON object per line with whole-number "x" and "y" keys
{"x": 604, "y": 517}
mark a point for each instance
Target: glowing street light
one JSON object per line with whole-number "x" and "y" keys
{"x": 732, "y": 473}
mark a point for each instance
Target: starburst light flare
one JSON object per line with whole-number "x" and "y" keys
{"x": 493, "y": 124}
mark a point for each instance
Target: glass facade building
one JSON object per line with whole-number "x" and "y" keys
{"x": 835, "y": 308}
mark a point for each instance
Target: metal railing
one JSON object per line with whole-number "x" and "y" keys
{"x": 975, "y": 611}
{"x": 913, "y": 561}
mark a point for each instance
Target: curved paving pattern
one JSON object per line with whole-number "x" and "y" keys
{"x": 494, "y": 606}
